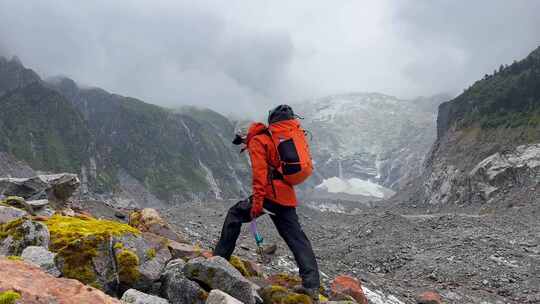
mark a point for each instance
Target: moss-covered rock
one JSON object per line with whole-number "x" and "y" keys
{"x": 275, "y": 294}
{"x": 21, "y": 233}
{"x": 151, "y": 253}
{"x": 247, "y": 268}
{"x": 83, "y": 247}
{"x": 17, "y": 202}
{"x": 9, "y": 297}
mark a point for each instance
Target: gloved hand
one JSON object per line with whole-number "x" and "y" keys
{"x": 256, "y": 210}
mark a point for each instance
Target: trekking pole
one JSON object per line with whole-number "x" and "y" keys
{"x": 258, "y": 240}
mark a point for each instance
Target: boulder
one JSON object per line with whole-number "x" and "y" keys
{"x": 219, "y": 297}
{"x": 428, "y": 297}
{"x": 8, "y": 214}
{"x": 343, "y": 286}
{"x": 37, "y": 287}
{"x": 41, "y": 257}
{"x": 84, "y": 248}
{"x": 149, "y": 220}
{"x": 133, "y": 296}
{"x": 217, "y": 273}
{"x": 177, "y": 288}
{"x": 141, "y": 259}
{"x": 21, "y": 233}
{"x": 57, "y": 188}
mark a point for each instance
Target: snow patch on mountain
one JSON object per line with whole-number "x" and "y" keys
{"x": 354, "y": 186}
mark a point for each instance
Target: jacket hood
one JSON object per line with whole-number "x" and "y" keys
{"x": 255, "y": 128}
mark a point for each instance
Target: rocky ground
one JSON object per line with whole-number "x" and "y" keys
{"x": 56, "y": 249}
{"x": 492, "y": 256}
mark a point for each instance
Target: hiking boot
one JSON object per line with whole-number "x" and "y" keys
{"x": 313, "y": 293}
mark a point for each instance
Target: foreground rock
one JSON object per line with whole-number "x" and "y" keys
{"x": 41, "y": 257}
{"x": 37, "y": 287}
{"x": 133, "y": 296}
{"x": 57, "y": 188}
{"x": 83, "y": 248}
{"x": 177, "y": 288}
{"x": 217, "y": 273}
{"x": 343, "y": 287}
{"x": 21, "y": 233}
{"x": 219, "y": 297}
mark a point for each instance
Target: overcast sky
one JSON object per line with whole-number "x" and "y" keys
{"x": 242, "y": 56}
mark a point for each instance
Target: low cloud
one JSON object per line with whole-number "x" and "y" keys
{"x": 243, "y": 56}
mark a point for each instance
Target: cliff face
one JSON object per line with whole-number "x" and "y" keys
{"x": 487, "y": 141}
{"x": 125, "y": 150}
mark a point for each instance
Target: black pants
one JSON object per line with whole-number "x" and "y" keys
{"x": 288, "y": 226}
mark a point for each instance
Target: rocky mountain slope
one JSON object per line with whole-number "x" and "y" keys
{"x": 487, "y": 151}
{"x": 363, "y": 141}
{"x": 126, "y": 151}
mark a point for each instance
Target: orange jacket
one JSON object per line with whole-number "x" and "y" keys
{"x": 264, "y": 156}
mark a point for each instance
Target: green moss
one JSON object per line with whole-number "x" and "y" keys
{"x": 239, "y": 265}
{"x": 76, "y": 241}
{"x": 128, "y": 266}
{"x": 280, "y": 295}
{"x": 9, "y": 297}
{"x": 295, "y": 298}
{"x": 11, "y": 229}
{"x": 151, "y": 253}
{"x": 14, "y": 258}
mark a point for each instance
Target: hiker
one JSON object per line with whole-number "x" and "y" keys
{"x": 280, "y": 158}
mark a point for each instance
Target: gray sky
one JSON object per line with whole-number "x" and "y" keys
{"x": 242, "y": 56}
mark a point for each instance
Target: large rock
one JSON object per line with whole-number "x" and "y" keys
{"x": 57, "y": 188}
{"x": 217, "y": 273}
{"x": 141, "y": 259}
{"x": 41, "y": 257}
{"x": 133, "y": 296}
{"x": 37, "y": 287}
{"x": 149, "y": 220}
{"x": 21, "y": 233}
{"x": 8, "y": 214}
{"x": 177, "y": 288}
{"x": 219, "y": 297}
{"x": 84, "y": 248}
{"x": 343, "y": 286}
